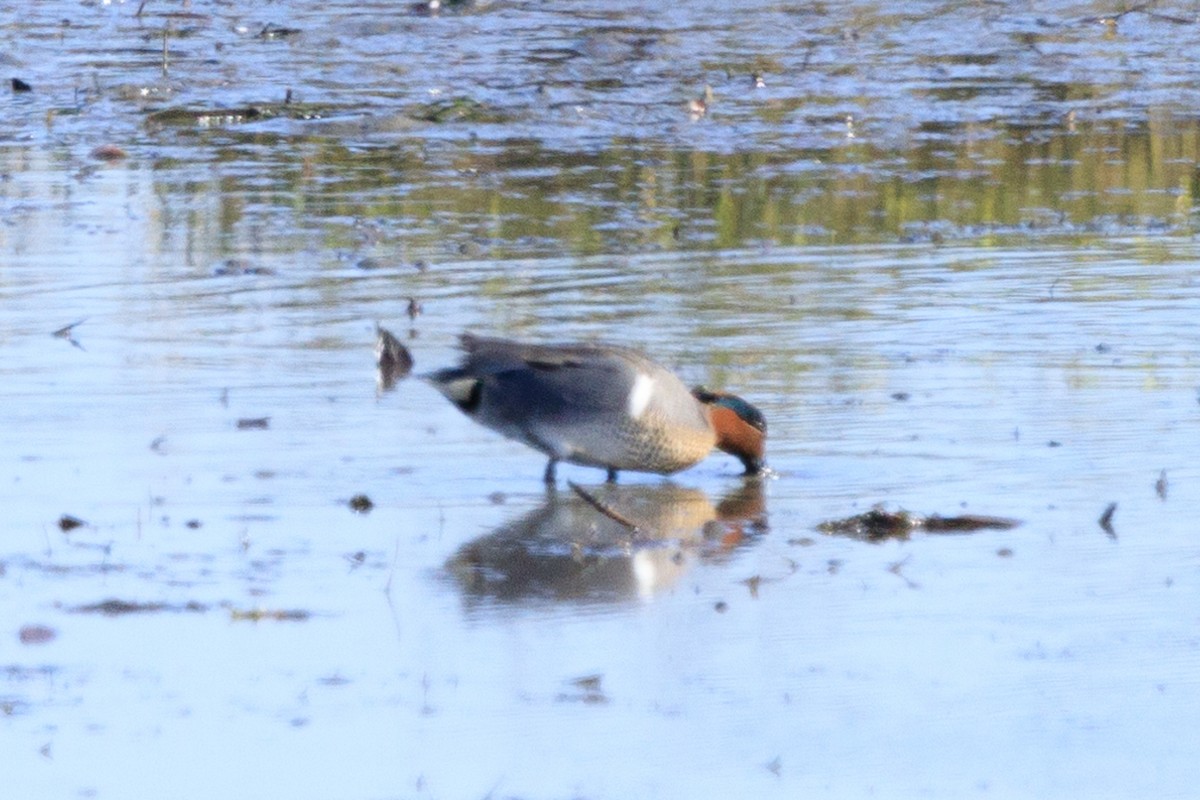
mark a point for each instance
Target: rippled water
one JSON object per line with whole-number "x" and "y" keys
{"x": 957, "y": 273}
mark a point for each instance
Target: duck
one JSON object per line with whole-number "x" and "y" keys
{"x": 599, "y": 405}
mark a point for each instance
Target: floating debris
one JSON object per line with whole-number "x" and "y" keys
{"x": 588, "y": 682}
{"x": 1106, "y": 520}
{"x": 258, "y": 614}
{"x": 69, "y": 523}
{"x": 360, "y": 504}
{"x": 968, "y": 523}
{"x": 240, "y": 266}
{"x": 1160, "y": 485}
{"x": 414, "y": 308}
{"x": 879, "y": 524}
{"x": 589, "y": 691}
{"x": 253, "y": 423}
{"x": 391, "y": 357}
{"x": 109, "y": 152}
{"x": 116, "y": 608}
{"x": 335, "y": 679}
{"x": 19, "y": 85}
{"x": 36, "y": 634}
{"x": 270, "y": 31}
{"x": 68, "y": 332}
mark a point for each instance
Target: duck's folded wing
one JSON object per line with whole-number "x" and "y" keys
{"x": 561, "y": 387}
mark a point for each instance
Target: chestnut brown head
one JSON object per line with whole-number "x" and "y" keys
{"x": 740, "y": 427}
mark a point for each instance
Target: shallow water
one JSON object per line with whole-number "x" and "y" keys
{"x": 957, "y": 276}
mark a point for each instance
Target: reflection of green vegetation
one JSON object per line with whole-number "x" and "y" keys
{"x": 456, "y": 109}
{"x": 232, "y": 116}
{"x": 519, "y": 197}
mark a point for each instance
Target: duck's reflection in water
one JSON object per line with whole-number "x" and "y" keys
{"x": 572, "y": 549}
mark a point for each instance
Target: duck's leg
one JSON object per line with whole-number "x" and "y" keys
{"x": 612, "y": 475}
{"x": 548, "y": 478}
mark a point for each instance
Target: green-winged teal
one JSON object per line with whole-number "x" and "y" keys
{"x": 599, "y": 405}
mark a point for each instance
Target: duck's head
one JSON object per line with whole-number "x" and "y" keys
{"x": 741, "y": 428}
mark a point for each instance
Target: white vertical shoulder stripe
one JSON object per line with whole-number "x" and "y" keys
{"x": 639, "y": 395}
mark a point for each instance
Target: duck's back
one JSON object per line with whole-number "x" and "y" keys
{"x": 588, "y": 404}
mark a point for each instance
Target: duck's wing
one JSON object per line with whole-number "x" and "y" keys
{"x": 484, "y": 351}
{"x": 532, "y": 380}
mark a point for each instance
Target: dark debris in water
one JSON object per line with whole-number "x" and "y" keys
{"x": 69, "y": 523}
{"x": 391, "y": 358}
{"x": 1106, "y": 520}
{"x": 361, "y": 504}
{"x": 878, "y": 524}
{"x": 253, "y": 423}
{"x": 586, "y": 689}
{"x": 19, "y": 85}
{"x": 37, "y": 634}
{"x": 116, "y": 608}
{"x": 272, "y": 31}
{"x": 68, "y": 332}
{"x": 238, "y": 267}
{"x": 109, "y": 152}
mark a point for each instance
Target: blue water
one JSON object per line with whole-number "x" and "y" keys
{"x": 443, "y": 645}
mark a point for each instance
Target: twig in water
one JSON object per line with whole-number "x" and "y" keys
{"x": 67, "y": 332}
{"x": 603, "y": 509}
{"x": 166, "y": 58}
{"x": 1106, "y": 520}
{"x": 387, "y": 587}
{"x": 899, "y": 565}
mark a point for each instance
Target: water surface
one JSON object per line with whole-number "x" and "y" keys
{"x": 957, "y": 273}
